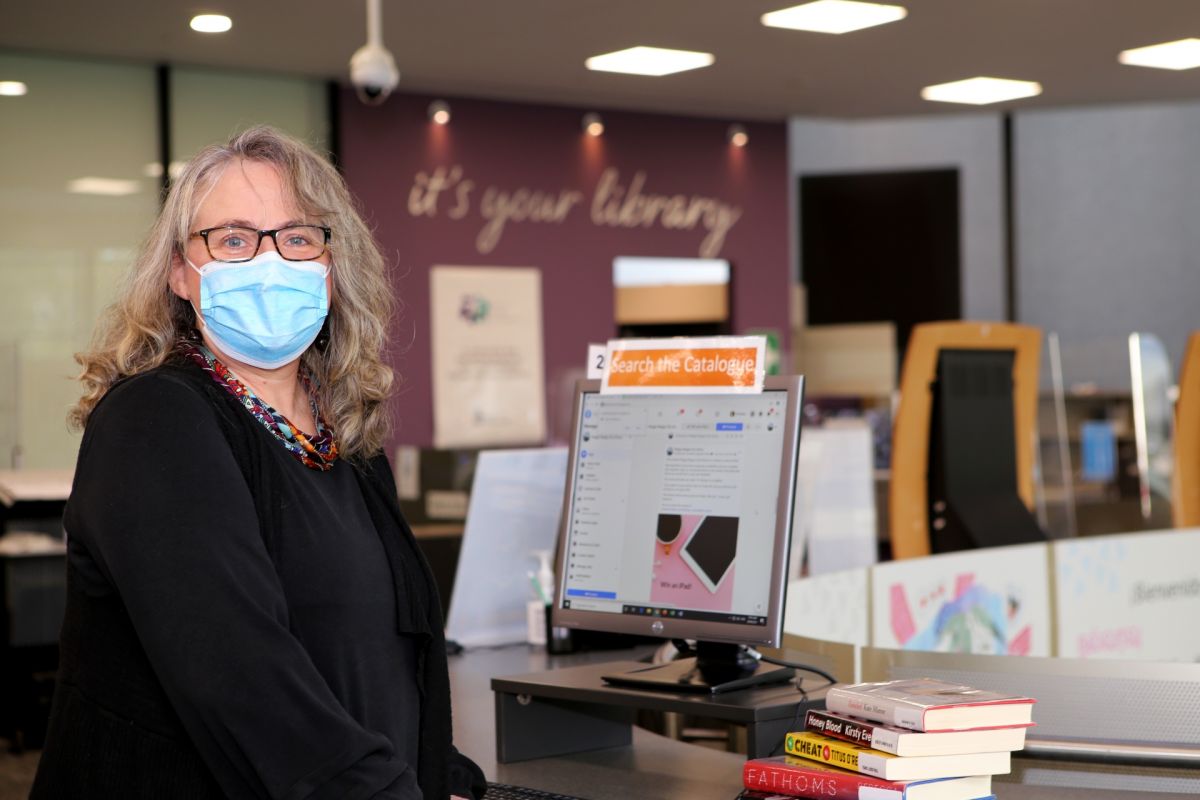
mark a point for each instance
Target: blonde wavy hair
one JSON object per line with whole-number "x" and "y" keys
{"x": 141, "y": 329}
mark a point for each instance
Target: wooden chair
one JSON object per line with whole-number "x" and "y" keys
{"x": 1185, "y": 482}
{"x": 908, "y": 493}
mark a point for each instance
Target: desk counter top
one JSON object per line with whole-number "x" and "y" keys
{"x": 653, "y": 767}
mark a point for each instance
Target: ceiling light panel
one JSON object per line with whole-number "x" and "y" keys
{"x": 12, "y": 89}
{"x": 109, "y": 187}
{"x": 656, "y": 61}
{"x": 154, "y": 169}
{"x": 1182, "y": 54}
{"x": 981, "y": 91}
{"x": 834, "y": 16}
{"x": 211, "y": 23}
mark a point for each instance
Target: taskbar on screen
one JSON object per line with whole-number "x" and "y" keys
{"x": 678, "y": 613}
{"x": 698, "y": 616}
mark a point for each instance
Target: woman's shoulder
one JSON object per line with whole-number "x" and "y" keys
{"x": 171, "y": 389}
{"x": 155, "y": 413}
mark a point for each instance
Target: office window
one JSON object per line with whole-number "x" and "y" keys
{"x": 77, "y": 195}
{"x": 208, "y": 106}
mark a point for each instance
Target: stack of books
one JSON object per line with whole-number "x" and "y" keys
{"x": 900, "y": 740}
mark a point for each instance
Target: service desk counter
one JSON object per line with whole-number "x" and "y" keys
{"x": 653, "y": 767}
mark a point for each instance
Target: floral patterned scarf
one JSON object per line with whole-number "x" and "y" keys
{"x": 318, "y": 452}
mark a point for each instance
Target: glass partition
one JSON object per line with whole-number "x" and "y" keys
{"x": 79, "y": 187}
{"x": 77, "y": 194}
{"x": 208, "y": 106}
{"x": 1106, "y": 419}
{"x": 1053, "y": 464}
{"x": 1153, "y": 387}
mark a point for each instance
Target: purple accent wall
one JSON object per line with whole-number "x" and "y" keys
{"x": 392, "y": 156}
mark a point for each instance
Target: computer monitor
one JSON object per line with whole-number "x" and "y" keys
{"x": 677, "y": 523}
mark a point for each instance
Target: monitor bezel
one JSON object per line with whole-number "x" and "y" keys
{"x": 768, "y": 635}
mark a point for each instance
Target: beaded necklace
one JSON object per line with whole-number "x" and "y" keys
{"x": 316, "y": 452}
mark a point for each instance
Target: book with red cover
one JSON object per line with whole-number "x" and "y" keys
{"x": 752, "y": 794}
{"x": 930, "y": 705}
{"x": 797, "y": 777}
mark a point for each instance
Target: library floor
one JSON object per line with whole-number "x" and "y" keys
{"x": 16, "y": 772}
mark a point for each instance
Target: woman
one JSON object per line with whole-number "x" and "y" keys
{"x": 248, "y": 614}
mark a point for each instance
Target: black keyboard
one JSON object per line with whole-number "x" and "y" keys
{"x": 502, "y": 791}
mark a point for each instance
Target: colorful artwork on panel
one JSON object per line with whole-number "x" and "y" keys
{"x": 993, "y": 601}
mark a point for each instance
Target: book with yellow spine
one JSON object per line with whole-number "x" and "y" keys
{"x": 855, "y": 758}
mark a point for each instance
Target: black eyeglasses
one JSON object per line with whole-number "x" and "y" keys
{"x": 294, "y": 243}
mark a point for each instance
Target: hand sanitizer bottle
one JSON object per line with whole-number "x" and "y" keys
{"x": 537, "y": 611}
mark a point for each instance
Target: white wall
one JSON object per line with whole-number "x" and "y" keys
{"x": 1108, "y": 230}
{"x": 972, "y": 143}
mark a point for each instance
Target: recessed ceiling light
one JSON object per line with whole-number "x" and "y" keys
{"x": 439, "y": 112}
{"x": 593, "y": 125}
{"x": 111, "y": 187}
{"x": 12, "y": 88}
{"x": 981, "y": 91}
{"x": 211, "y": 23}
{"x": 834, "y": 16}
{"x": 1183, "y": 54}
{"x": 655, "y": 61}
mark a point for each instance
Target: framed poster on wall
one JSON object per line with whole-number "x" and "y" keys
{"x": 488, "y": 374}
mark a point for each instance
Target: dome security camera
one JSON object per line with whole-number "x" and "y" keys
{"x": 373, "y": 73}
{"x": 372, "y": 68}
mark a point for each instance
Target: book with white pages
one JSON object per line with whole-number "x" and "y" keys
{"x": 924, "y": 704}
{"x": 904, "y": 742}
{"x": 856, "y": 758}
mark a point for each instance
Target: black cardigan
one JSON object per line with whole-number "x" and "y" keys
{"x": 113, "y": 729}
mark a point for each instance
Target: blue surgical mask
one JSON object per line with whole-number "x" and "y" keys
{"x": 264, "y": 312}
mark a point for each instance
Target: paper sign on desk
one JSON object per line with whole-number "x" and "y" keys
{"x": 707, "y": 365}
{"x": 516, "y": 500}
{"x": 841, "y": 497}
{"x": 597, "y": 357}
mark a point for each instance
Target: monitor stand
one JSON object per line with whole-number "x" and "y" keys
{"x": 716, "y": 668}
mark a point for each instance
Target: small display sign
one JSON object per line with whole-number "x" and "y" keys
{"x": 596, "y": 358}
{"x": 708, "y": 365}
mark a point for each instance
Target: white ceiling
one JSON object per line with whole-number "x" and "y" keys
{"x": 534, "y": 49}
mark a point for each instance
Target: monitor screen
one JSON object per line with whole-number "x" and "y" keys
{"x": 677, "y": 515}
